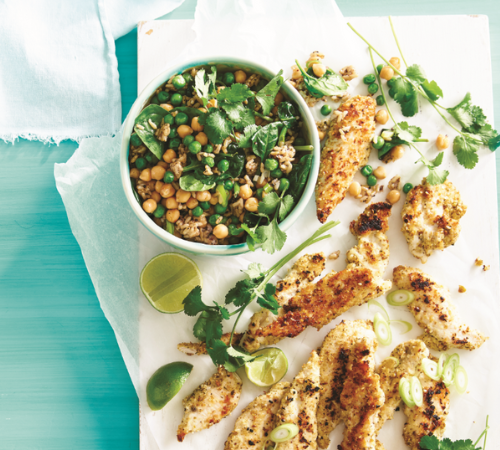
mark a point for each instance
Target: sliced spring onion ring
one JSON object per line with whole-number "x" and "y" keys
{"x": 400, "y": 297}
{"x": 455, "y": 358}
{"x": 448, "y": 375}
{"x": 417, "y": 395}
{"x": 222, "y": 194}
{"x": 408, "y": 325}
{"x": 405, "y": 392}
{"x": 461, "y": 380}
{"x": 441, "y": 363}
{"x": 386, "y": 316}
{"x": 382, "y": 329}
{"x": 284, "y": 433}
{"x": 430, "y": 368}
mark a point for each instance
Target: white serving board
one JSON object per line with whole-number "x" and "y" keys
{"x": 455, "y": 51}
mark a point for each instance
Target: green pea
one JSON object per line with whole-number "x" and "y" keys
{"x": 371, "y": 180}
{"x": 204, "y": 205}
{"x": 228, "y": 185}
{"x": 284, "y": 185}
{"x": 258, "y": 193}
{"x": 271, "y": 164}
{"x": 373, "y": 88}
{"x": 234, "y": 230}
{"x": 391, "y": 82}
{"x": 194, "y": 147}
{"x": 208, "y": 161}
{"x": 326, "y": 109}
{"x": 168, "y": 177}
{"x": 366, "y": 171}
{"x": 380, "y": 100}
{"x": 174, "y": 143}
{"x": 182, "y": 92}
{"x": 173, "y": 133}
{"x": 181, "y": 118}
{"x": 163, "y": 96}
{"x": 378, "y": 143}
{"x": 159, "y": 211}
{"x": 176, "y": 99}
{"x": 188, "y": 139}
{"x": 135, "y": 140}
{"x": 179, "y": 82}
{"x": 169, "y": 118}
{"x": 380, "y": 67}
{"x": 212, "y": 220}
{"x": 148, "y": 157}
{"x": 235, "y": 220}
{"x": 299, "y": 141}
{"x": 141, "y": 163}
{"x": 277, "y": 173}
{"x": 154, "y": 100}
{"x": 198, "y": 211}
{"x": 223, "y": 165}
{"x": 228, "y": 78}
{"x": 369, "y": 79}
{"x": 187, "y": 76}
{"x": 208, "y": 149}
{"x": 407, "y": 188}
{"x": 219, "y": 209}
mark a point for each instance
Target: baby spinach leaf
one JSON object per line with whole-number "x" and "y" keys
{"x": 236, "y": 165}
{"x": 298, "y": 176}
{"x": 217, "y": 126}
{"x": 191, "y": 112}
{"x": 146, "y": 132}
{"x": 268, "y": 93}
{"x": 237, "y": 93}
{"x": 265, "y": 139}
{"x": 191, "y": 183}
{"x": 330, "y": 83}
{"x": 287, "y": 114}
{"x": 248, "y": 133}
{"x": 389, "y": 145}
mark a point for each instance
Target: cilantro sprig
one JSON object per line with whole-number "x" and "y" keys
{"x": 475, "y": 132}
{"x": 256, "y": 286}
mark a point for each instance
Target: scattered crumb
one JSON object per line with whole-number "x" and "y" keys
{"x": 461, "y": 289}
{"x": 334, "y": 255}
{"x": 393, "y": 185}
{"x": 485, "y": 268}
{"x": 478, "y": 262}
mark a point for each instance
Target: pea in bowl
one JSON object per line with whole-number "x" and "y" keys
{"x": 219, "y": 157}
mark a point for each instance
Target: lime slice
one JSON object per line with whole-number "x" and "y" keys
{"x": 167, "y": 279}
{"x": 270, "y": 367}
{"x": 166, "y": 382}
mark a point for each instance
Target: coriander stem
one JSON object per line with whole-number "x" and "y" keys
{"x": 304, "y": 148}
{"x": 262, "y": 116}
{"x": 421, "y": 140}
{"x": 397, "y": 42}
{"x": 484, "y": 433}
{"x": 236, "y": 311}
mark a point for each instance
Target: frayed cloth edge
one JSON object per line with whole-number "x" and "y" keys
{"x": 15, "y": 137}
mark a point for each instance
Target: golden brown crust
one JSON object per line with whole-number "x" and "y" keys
{"x": 200, "y": 348}
{"x": 375, "y": 217}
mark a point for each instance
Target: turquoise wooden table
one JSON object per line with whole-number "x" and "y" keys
{"x": 63, "y": 384}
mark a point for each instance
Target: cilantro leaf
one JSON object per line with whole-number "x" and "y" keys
{"x": 436, "y": 176}
{"x": 432, "y": 90}
{"x": 269, "y": 303}
{"x": 268, "y": 93}
{"x": 255, "y": 270}
{"x": 465, "y": 149}
{"x": 407, "y": 132}
{"x": 237, "y": 93}
{"x": 199, "y": 328}
{"x": 242, "y": 117}
{"x": 246, "y": 357}
{"x": 217, "y": 126}
{"x": 269, "y": 203}
{"x": 264, "y": 140}
{"x": 270, "y": 289}
{"x": 494, "y": 143}
{"x": 201, "y": 87}
{"x": 433, "y": 443}
{"x": 212, "y": 78}
{"x": 246, "y": 119}
{"x": 404, "y": 93}
{"x": 223, "y": 311}
{"x": 193, "y": 305}
{"x": 462, "y": 112}
{"x": 217, "y": 351}
{"x": 214, "y": 326}
{"x": 248, "y": 133}
{"x": 271, "y": 236}
{"x": 429, "y": 443}
{"x": 241, "y": 293}
{"x": 487, "y": 133}
{"x": 416, "y": 73}
{"x": 285, "y": 207}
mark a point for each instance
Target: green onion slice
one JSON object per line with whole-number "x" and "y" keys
{"x": 400, "y": 297}
{"x": 170, "y": 227}
{"x": 222, "y": 194}
{"x": 405, "y": 392}
{"x": 461, "y": 379}
{"x": 430, "y": 368}
{"x": 416, "y": 391}
{"x": 382, "y": 329}
{"x": 441, "y": 363}
{"x": 284, "y": 433}
{"x": 386, "y": 316}
{"x": 450, "y": 367}
{"x": 408, "y": 325}
{"x": 455, "y": 359}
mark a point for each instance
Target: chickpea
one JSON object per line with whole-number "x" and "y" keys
{"x": 164, "y": 202}
{"x": 381, "y": 117}
{"x": 171, "y": 203}
{"x": 258, "y": 184}
{"x": 393, "y": 196}
{"x": 184, "y": 130}
{"x": 442, "y": 142}
{"x": 274, "y": 110}
{"x": 157, "y": 173}
{"x": 395, "y": 62}
{"x": 202, "y": 138}
{"x": 169, "y": 156}
{"x": 355, "y": 189}
{"x": 245, "y": 192}
{"x": 252, "y": 204}
{"x": 145, "y": 175}
{"x": 319, "y": 69}
{"x": 387, "y": 73}
{"x": 195, "y": 125}
{"x": 203, "y": 196}
{"x": 212, "y": 103}
{"x": 278, "y": 99}
{"x": 321, "y": 135}
{"x": 149, "y": 206}
{"x": 156, "y": 197}
{"x": 203, "y": 110}
{"x": 182, "y": 196}
{"x": 159, "y": 185}
{"x": 397, "y": 152}
{"x": 134, "y": 173}
{"x": 214, "y": 199}
{"x": 173, "y": 215}
{"x": 167, "y": 190}
{"x": 162, "y": 164}
{"x": 296, "y": 74}
{"x": 379, "y": 173}
{"x": 258, "y": 120}
{"x": 167, "y": 106}
{"x": 192, "y": 203}
{"x": 240, "y": 76}
{"x": 220, "y": 231}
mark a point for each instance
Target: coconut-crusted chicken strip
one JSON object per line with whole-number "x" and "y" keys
{"x": 347, "y": 148}
{"x": 299, "y": 405}
{"x": 213, "y": 400}
{"x": 361, "y": 397}
{"x": 435, "y": 312}
{"x": 302, "y": 273}
{"x": 334, "y": 355}
{"x": 318, "y": 304}
{"x": 200, "y": 348}
{"x": 252, "y": 428}
{"x": 431, "y": 216}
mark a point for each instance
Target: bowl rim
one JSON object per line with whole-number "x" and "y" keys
{"x": 143, "y": 97}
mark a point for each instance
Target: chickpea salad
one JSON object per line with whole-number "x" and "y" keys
{"x": 219, "y": 157}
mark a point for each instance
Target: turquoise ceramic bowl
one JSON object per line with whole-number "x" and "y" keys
{"x": 310, "y": 132}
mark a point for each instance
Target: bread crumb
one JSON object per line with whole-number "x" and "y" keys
{"x": 486, "y": 268}
{"x": 334, "y": 255}
{"x": 461, "y": 289}
{"x": 478, "y": 262}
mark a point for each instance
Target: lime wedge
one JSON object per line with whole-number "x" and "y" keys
{"x": 270, "y": 367}
{"x": 166, "y": 382}
{"x": 167, "y": 279}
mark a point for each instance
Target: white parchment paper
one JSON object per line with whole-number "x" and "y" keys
{"x": 116, "y": 247}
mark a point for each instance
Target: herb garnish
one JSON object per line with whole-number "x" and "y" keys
{"x": 256, "y": 286}
{"x": 331, "y": 83}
